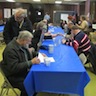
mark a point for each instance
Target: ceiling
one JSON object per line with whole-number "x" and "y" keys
{"x": 48, "y": 1}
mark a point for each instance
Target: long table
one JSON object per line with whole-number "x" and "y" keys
{"x": 64, "y": 76}
{"x": 1, "y": 28}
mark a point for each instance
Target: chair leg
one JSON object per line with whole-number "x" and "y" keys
{"x": 6, "y": 87}
{"x": 90, "y": 65}
{"x": 10, "y": 86}
{"x": 7, "y": 91}
{"x": 15, "y": 92}
{"x": 3, "y": 92}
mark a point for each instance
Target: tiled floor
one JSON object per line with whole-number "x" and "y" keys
{"x": 90, "y": 89}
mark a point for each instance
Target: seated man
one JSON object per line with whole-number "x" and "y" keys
{"x": 17, "y": 59}
{"x": 41, "y": 28}
{"x": 80, "y": 41}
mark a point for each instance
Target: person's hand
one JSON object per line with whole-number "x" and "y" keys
{"x": 44, "y": 54}
{"x": 76, "y": 24}
{"x": 63, "y": 41}
{"x": 47, "y": 34}
{"x": 54, "y": 35}
{"x": 35, "y": 60}
{"x": 60, "y": 34}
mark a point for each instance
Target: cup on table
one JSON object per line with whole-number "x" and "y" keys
{"x": 51, "y": 48}
{"x": 56, "y": 41}
{"x": 47, "y": 61}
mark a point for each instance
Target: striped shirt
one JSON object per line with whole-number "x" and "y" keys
{"x": 81, "y": 43}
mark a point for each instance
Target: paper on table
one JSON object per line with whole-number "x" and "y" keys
{"x": 51, "y": 59}
{"x": 41, "y": 57}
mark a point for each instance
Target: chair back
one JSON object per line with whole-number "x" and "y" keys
{"x": 6, "y": 84}
{"x": 83, "y": 58}
{"x": 92, "y": 37}
{"x": 3, "y": 74}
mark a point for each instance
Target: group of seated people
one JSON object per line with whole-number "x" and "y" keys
{"x": 19, "y": 54}
{"x": 21, "y": 47}
{"x": 80, "y": 40}
{"x": 84, "y": 24}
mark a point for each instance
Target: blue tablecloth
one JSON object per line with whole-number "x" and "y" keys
{"x": 64, "y": 76}
{"x": 1, "y": 28}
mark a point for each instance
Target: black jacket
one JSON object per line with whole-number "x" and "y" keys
{"x": 12, "y": 29}
{"x": 14, "y": 63}
{"x": 36, "y": 38}
{"x": 92, "y": 57}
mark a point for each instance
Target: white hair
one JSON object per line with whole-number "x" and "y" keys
{"x": 20, "y": 12}
{"x": 25, "y": 35}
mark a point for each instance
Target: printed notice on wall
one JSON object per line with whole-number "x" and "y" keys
{"x": 64, "y": 17}
{"x": 7, "y": 13}
{"x": 13, "y": 11}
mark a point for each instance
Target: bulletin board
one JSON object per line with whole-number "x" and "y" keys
{"x": 58, "y": 15}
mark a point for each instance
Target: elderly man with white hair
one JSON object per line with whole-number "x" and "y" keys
{"x": 17, "y": 59}
{"x": 16, "y": 23}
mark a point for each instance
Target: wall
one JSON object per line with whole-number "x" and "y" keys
{"x": 93, "y": 10}
{"x": 60, "y": 7}
{"x": 34, "y": 8}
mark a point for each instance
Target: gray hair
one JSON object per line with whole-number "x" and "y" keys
{"x": 24, "y": 35}
{"x": 40, "y": 25}
{"x": 20, "y": 12}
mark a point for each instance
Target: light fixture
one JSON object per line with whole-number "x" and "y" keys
{"x": 10, "y": 0}
{"x": 58, "y": 2}
{"x": 67, "y": 0}
{"x": 36, "y": 0}
{"x": 39, "y": 13}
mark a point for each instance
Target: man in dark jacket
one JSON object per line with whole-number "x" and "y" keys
{"x": 17, "y": 59}
{"x": 18, "y": 22}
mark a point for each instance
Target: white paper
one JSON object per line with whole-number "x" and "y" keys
{"x": 51, "y": 59}
{"x": 41, "y": 57}
{"x": 7, "y": 13}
